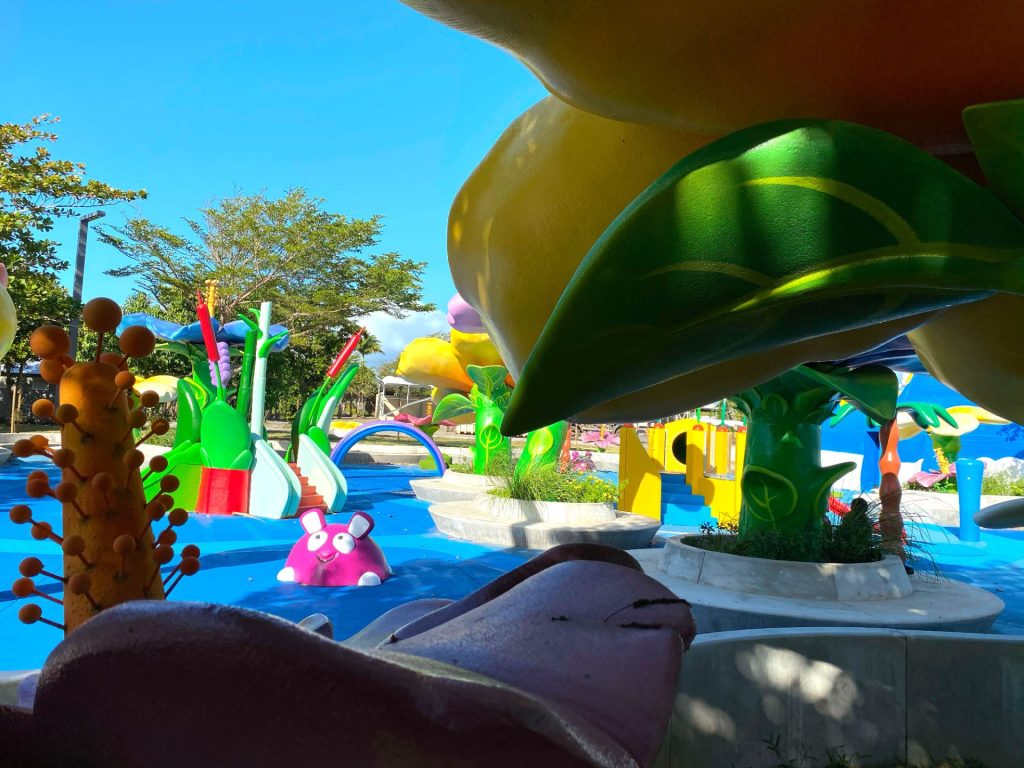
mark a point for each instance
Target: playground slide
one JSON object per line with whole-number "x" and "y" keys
{"x": 323, "y": 474}
{"x": 274, "y": 488}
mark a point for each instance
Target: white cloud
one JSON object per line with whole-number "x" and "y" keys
{"x": 395, "y": 333}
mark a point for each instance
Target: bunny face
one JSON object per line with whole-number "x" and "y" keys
{"x": 335, "y": 554}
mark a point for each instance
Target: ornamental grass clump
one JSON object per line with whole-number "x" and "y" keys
{"x": 545, "y": 482}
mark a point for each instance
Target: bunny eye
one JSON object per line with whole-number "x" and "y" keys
{"x": 316, "y": 541}
{"x": 344, "y": 543}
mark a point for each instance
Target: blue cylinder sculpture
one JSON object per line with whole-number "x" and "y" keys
{"x": 968, "y": 482}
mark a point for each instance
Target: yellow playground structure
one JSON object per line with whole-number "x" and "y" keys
{"x": 686, "y": 475}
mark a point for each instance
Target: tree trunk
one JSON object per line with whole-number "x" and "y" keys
{"x": 784, "y": 488}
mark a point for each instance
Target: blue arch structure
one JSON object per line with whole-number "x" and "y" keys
{"x": 373, "y": 427}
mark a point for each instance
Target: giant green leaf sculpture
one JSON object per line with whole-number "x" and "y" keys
{"x": 782, "y": 244}
{"x": 779, "y": 244}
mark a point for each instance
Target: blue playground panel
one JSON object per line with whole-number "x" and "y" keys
{"x": 242, "y": 555}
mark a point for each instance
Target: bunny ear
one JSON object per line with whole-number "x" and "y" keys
{"x": 3, "y": 275}
{"x": 313, "y": 521}
{"x": 360, "y": 525}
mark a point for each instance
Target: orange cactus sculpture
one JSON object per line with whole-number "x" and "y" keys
{"x": 111, "y": 553}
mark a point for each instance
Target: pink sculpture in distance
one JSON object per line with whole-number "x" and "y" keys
{"x": 335, "y": 554}
{"x": 462, "y": 317}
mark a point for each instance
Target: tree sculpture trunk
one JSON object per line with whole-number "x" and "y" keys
{"x": 784, "y": 488}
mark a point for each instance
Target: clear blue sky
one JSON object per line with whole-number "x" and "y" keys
{"x": 363, "y": 102}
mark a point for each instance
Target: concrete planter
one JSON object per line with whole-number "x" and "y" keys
{"x": 557, "y": 512}
{"x": 731, "y": 592}
{"x": 902, "y": 697}
{"x": 453, "y": 486}
{"x": 490, "y": 519}
{"x": 882, "y": 580}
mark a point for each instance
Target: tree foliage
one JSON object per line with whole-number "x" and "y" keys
{"x": 312, "y": 263}
{"x": 35, "y": 190}
{"x": 308, "y": 261}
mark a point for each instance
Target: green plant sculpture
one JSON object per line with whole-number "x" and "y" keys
{"x": 776, "y": 246}
{"x": 487, "y": 400}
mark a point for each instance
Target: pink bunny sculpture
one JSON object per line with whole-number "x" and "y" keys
{"x": 335, "y": 554}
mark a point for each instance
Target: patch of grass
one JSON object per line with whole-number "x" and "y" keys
{"x": 853, "y": 538}
{"x": 165, "y": 439}
{"x": 546, "y": 483}
{"x": 1000, "y": 484}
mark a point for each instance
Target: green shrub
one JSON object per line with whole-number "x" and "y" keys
{"x": 165, "y": 440}
{"x": 855, "y": 539}
{"x": 547, "y": 483}
{"x": 1000, "y": 484}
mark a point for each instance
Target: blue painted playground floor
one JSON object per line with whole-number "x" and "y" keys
{"x": 241, "y": 557}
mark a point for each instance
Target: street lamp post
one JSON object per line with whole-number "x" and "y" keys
{"x": 76, "y": 291}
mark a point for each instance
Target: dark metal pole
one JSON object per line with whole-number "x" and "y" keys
{"x": 76, "y": 291}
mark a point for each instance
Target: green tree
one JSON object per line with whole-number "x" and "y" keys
{"x": 309, "y": 261}
{"x": 312, "y": 263}
{"x": 387, "y": 368}
{"x": 362, "y": 391}
{"x": 35, "y": 190}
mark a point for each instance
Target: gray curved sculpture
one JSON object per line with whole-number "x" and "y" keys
{"x": 1006, "y": 514}
{"x": 571, "y": 660}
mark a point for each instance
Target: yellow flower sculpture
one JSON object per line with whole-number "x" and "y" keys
{"x": 442, "y": 364}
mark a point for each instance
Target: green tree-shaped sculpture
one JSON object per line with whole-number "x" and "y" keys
{"x": 776, "y": 246}
{"x": 783, "y": 485}
{"x": 487, "y": 400}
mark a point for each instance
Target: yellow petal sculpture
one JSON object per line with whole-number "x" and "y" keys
{"x": 715, "y": 66}
{"x": 978, "y": 350}
{"x": 165, "y": 386}
{"x": 526, "y": 217}
{"x": 432, "y": 362}
{"x": 474, "y": 349}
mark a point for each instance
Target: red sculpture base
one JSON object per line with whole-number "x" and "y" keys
{"x": 223, "y": 492}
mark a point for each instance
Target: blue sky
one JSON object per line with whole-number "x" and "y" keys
{"x": 363, "y": 102}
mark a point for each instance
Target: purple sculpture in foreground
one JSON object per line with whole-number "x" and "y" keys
{"x": 569, "y": 660}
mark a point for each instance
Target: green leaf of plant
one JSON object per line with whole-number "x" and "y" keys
{"x": 841, "y": 412}
{"x": 769, "y": 496}
{"x": 826, "y": 479}
{"x": 190, "y": 414}
{"x": 775, "y": 406}
{"x": 927, "y": 415}
{"x": 872, "y": 389}
{"x": 995, "y": 131}
{"x": 489, "y": 378}
{"x": 452, "y": 406}
{"x": 225, "y": 437}
{"x": 319, "y": 438}
{"x": 784, "y": 237}
{"x": 543, "y": 446}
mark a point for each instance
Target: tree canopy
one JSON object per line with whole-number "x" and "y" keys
{"x": 314, "y": 264}
{"x": 309, "y": 261}
{"x": 35, "y": 190}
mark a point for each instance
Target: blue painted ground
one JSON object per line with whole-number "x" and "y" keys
{"x": 241, "y": 558}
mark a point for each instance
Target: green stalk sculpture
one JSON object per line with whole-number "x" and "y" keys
{"x": 784, "y": 487}
{"x": 487, "y": 400}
